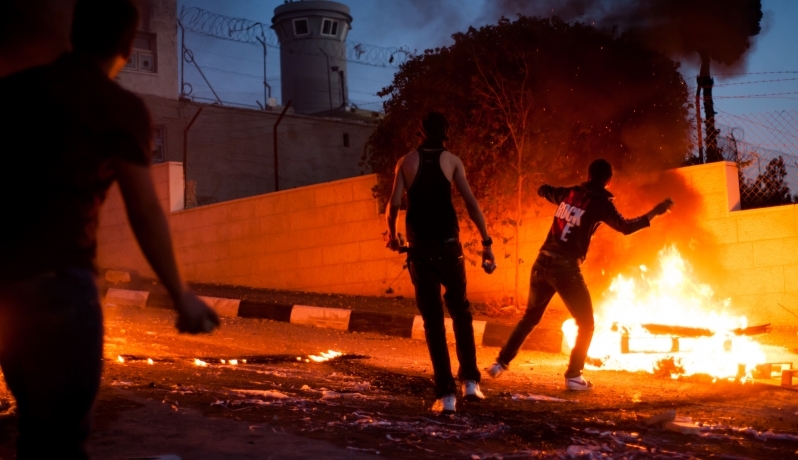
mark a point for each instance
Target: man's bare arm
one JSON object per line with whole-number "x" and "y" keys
{"x": 474, "y": 211}
{"x": 393, "y": 205}
{"x": 152, "y": 233}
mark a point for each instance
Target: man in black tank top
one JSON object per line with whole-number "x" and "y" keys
{"x": 435, "y": 256}
{"x": 580, "y": 211}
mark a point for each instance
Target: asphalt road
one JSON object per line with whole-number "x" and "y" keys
{"x": 375, "y": 401}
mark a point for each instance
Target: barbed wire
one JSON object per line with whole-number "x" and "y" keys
{"x": 204, "y": 22}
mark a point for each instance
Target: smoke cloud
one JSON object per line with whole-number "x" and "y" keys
{"x": 722, "y": 29}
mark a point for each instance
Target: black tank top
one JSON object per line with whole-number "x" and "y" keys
{"x": 431, "y": 218}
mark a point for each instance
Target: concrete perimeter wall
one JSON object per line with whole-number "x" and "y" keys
{"x": 327, "y": 238}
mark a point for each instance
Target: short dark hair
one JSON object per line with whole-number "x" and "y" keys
{"x": 104, "y": 28}
{"x": 600, "y": 171}
{"x": 435, "y": 127}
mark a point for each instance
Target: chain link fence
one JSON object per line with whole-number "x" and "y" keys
{"x": 765, "y": 148}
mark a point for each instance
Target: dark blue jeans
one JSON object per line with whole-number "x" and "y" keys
{"x": 430, "y": 268}
{"x": 550, "y": 275}
{"x": 51, "y": 341}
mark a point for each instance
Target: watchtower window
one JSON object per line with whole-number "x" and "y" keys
{"x": 329, "y": 27}
{"x": 142, "y": 57}
{"x": 301, "y": 27}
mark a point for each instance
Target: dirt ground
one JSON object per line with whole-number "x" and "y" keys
{"x": 375, "y": 402}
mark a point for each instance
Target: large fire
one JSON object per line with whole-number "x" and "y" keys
{"x": 666, "y": 321}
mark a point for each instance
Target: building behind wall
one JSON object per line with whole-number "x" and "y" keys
{"x": 230, "y": 150}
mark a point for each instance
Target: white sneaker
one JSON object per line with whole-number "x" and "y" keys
{"x": 445, "y": 405}
{"x": 578, "y": 384}
{"x": 471, "y": 391}
{"x": 496, "y": 369}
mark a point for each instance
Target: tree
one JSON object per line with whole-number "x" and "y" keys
{"x": 535, "y": 100}
{"x": 769, "y": 187}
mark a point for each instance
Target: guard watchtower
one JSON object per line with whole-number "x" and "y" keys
{"x": 312, "y": 38}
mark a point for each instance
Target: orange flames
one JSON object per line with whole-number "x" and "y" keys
{"x": 665, "y": 320}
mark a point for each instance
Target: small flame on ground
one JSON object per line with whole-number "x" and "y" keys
{"x": 120, "y": 359}
{"x": 325, "y": 356}
{"x": 233, "y": 362}
{"x": 150, "y": 361}
{"x": 200, "y": 363}
{"x": 669, "y": 296}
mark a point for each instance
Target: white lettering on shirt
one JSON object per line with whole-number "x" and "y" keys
{"x": 571, "y": 215}
{"x": 565, "y": 232}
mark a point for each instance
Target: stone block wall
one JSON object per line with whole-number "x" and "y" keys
{"x": 327, "y": 238}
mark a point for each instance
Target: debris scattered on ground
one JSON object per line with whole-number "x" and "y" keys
{"x": 683, "y": 425}
{"x": 667, "y": 416}
{"x": 534, "y": 397}
{"x": 263, "y": 393}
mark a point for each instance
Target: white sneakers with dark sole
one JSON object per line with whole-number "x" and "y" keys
{"x": 445, "y": 405}
{"x": 578, "y": 384}
{"x": 471, "y": 391}
{"x": 496, "y": 369}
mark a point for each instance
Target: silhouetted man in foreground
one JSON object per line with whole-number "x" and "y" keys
{"x": 69, "y": 131}
{"x": 581, "y": 210}
{"x": 435, "y": 255}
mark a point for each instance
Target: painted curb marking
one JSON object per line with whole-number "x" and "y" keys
{"x": 224, "y": 307}
{"x": 331, "y": 318}
{"x": 126, "y": 298}
{"x": 485, "y": 333}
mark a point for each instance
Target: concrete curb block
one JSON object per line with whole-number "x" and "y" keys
{"x": 485, "y": 333}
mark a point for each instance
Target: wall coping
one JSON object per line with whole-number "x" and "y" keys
{"x": 280, "y": 192}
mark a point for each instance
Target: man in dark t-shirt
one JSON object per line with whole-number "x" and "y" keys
{"x": 68, "y": 132}
{"x": 435, "y": 256}
{"x": 580, "y": 211}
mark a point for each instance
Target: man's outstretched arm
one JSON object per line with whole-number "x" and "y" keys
{"x": 152, "y": 233}
{"x": 393, "y": 206}
{"x": 628, "y": 226}
{"x": 474, "y": 211}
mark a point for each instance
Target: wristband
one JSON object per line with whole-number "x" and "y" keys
{"x": 488, "y": 242}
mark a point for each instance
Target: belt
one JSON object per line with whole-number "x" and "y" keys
{"x": 454, "y": 240}
{"x": 561, "y": 257}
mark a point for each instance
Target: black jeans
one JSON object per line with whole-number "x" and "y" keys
{"x": 431, "y": 267}
{"x": 51, "y": 340}
{"x": 554, "y": 274}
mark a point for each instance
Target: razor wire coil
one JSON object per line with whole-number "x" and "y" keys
{"x": 203, "y": 22}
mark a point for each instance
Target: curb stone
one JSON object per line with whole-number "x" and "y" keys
{"x": 486, "y": 333}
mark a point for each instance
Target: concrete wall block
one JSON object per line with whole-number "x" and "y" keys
{"x": 242, "y": 266}
{"x": 340, "y": 194}
{"x": 240, "y": 210}
{"x": 209, "y": 234}
{"x": 362, "y": 188}
{"x": 276, "y": 223}
{"x": 242, "y": 229}
{"x": 374, "y": 249}
{"x": 293, "y": 200}
{"x": 791, "y": 278}
{"x": 341, "y": 253}
{"x": 714, "y": 205}
{"x": 757, "y": 280}
{"x": 710, "y": 179}
{"x": 768, "y": 223}
{"x": 783, "y": 251}
{"x": 723, "y": 231}
{"x": 736, "y": 256}
{"x": 311, "y": 257}
{"x": 249, "y": 247}
{"x": 767, "y": 308}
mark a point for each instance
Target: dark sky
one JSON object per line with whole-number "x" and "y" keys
{"x": 418, "y": 24}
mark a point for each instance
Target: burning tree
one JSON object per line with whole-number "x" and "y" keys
{"x": 531, "y": 100}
